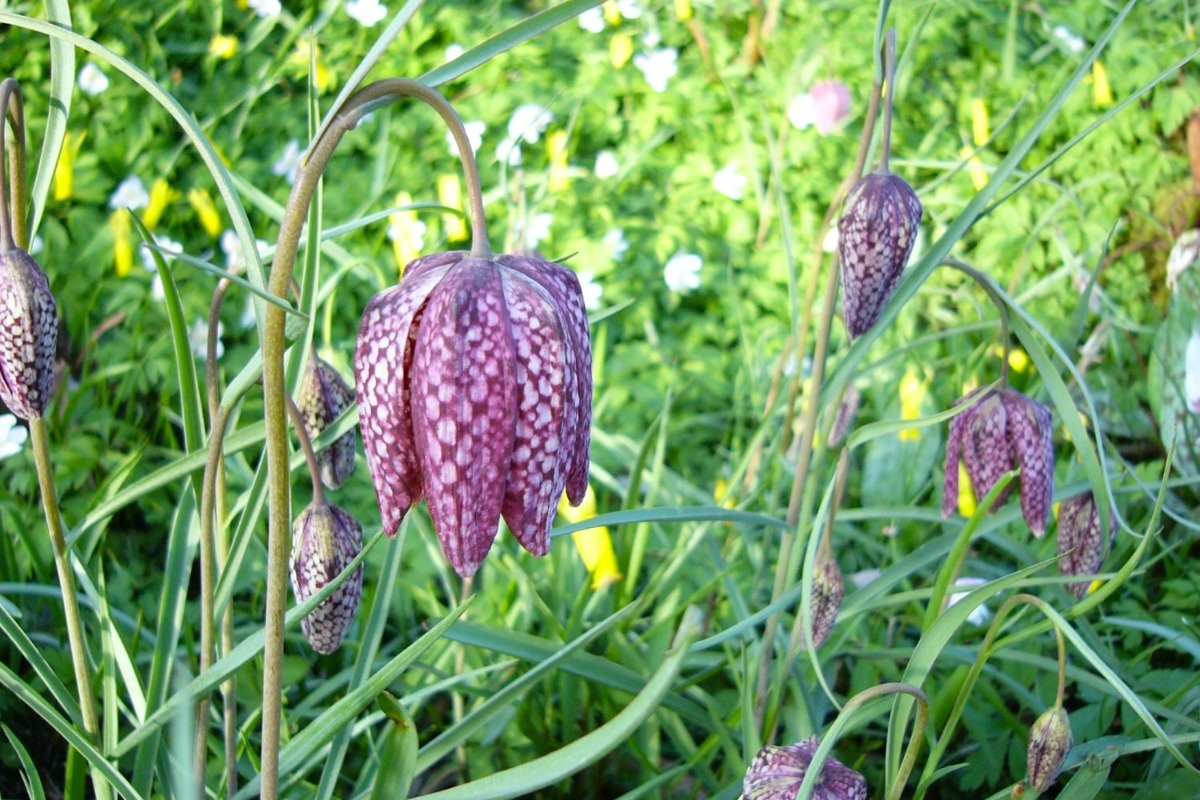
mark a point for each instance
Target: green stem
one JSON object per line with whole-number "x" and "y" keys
{"x": 889, "y": 61}
{"x": 13, "y": 230}
{"x": 273, "y": 346}
{"x": 66, "y": 580}
{"x": 997, "y": 299}
{"x": 314, "y": 469}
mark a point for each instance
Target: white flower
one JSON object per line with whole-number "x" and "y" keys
{"x": 249, "y": 317}
{"x": 509, "y": 152}
{"x": 475, "y": 129}
{"x": 289, "y": 161}
{"x": 592, "y": 291}
{"x": 630, "y": 9}
{"x": 538, "y": 228}
{"x": 606, "y": 164}
{"x": 454, "y": 51}
{"x": 130, "y": 193}
{"x": 92, "y": 79}
{"x": 730, "y": 182}
{"x": 170, "y": 246}
{"x": 410, "y": 232}
{"x": 682, "y": 272}
{"x": 266, "y": 8}
{"x": 1067, "y": 38}
{"x": 980, "y": 615}
{"x": 652, "y": 38}
{"x": 528, "y": 122}
{"x": 1191, "y": 381}
{"x": 231, "y": 246}
{"x": 156, "y": 289}
{"x": 12, "y": 436}
{"x": 658, "y": 67}
{"x": 367, "y": 13}
{"x": 198, "y": 339}
{"x": 1184, "y": 253}
{"x": 592, "y": 20}
{"x": 830, "y": 242}
{"x": 616, "y": 242}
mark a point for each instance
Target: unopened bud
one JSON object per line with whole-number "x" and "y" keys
{"x": 28, "y": 335}
{"x": 323, "y": 396}
{"x": 826, "y": 601}
{"x": 1081, "y": 546}
{"x": 325, "y": 540}
{"x": 1050, "y": 741}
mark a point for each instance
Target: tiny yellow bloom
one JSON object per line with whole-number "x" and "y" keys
{"x": 222, "y": 46}
{"x": 594, "y": 545}
{"x": 966, "y": 492}
{"x": 975, "y": 168}
{"x": 1101, "y": 91}
{"x": 450, "y": 195}
{"x": 406, "y": 232}
{"x": 202, "y": 203}
{"x": 64, "y": 170}
{"x": 620, "y": 50}
{"x": 981, "y": 129}
{"x": 912, "y": 395}
{"x": 161, "y": 195}
{"x": 118, "y": 225}
{"x": 1096, "y": 584}
{"x": 1018, "y": 359}
{"x": 301, "y": 58}
{"x": 683, "y": 10}
{"x": 722, "y": 494}
{"x": 556, "y": 145}
{"x": 612, "y": 12}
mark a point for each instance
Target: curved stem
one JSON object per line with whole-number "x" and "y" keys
{"x": 13, "y": 231}
{"x": 273, "y": 346}
{"x": 309, "y": 454}
{"x": 889, "y": 61}
{"x": 993, "y": 294}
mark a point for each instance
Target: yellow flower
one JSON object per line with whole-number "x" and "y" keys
{"x": 683, "y": 10}
{"x": 450, "y": 195}
{"x": 612, "y": 12}
{"x": 118, "y": 225}
{"x": 981, "y": 129}
{"x": 722, "y": 495}
{"x": 221, "y": 46}
{"x": 300, "y": 59}
{"x": 406, "y": 232}
{"x": 594, "y": 544}
{"x": 975, "y": 167}
{"x": 1018, "y": 359}
{"x": 620, "y": 50}
{"x": 202, "y": 203}
{"x": 556, "y": 144}
{"x": 912, "y": 394}
{"x": 1101, "y": 91}
{"x": 64, "y": 170}
{"x": 161, "y": 195}
{"x": 966, "y": 492}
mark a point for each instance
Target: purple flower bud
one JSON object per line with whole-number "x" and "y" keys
{"x": 323, "y": 396}
{"x": 1050, "y": 741}
{"x": 876, "y": 234}
{"x": 28, "y": 335}
{"x": 474, "y": 384}
{"x": 826, "y": 601}
{"x": 1001, "y": 430}
{"x": 843, "y": 418}
{"x": 777, "y": 772}
{"x": 1081, "y": 546}
{"x": 325, "y": 540}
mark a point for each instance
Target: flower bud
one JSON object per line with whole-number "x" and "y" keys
{"x": 1081, "y": 547}
{"x": 1050, "y": 741}
{"x": 826, "y": 601}
{"x": 326, "y": 540}
{"x": 322, "y": 398}
{"x": 876, "y": 234}
{"x": 777, "y": 772}
{"x": 843, "y": 418}
{"x": 28, "y": 335}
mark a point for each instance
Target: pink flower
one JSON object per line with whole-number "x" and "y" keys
{"x": 824, "y": 106}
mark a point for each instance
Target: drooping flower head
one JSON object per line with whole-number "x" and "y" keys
{"x": 777, "y": 772}
{"x": 474, "y": 390}
{"x": 28, "y": 334}
{"x": 1050, "y": 742}
{"x": 1081, "y": 545}
{"x": 322, "y": 398}
{"x": 1001, "y": 430}
{"x": 876, "y": 233}
{"x": 826, "y": 602}
{"x": 325, "y": 539}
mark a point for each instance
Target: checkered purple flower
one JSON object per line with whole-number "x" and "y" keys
{"x": 325, "y": 539}
{"x": 322, "y": 398}
{"x": 777, "y": 772}
{"x": 28, "y": 335}
{"x": 1081, "y": 546}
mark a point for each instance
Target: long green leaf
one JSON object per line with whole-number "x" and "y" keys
{"x": 29, "y": 773}
{"x": 25, "y": 646}
{"x": 62, "y": 88}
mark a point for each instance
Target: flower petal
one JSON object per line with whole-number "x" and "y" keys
{"x": 383, "y": 362}
{"x": 987, "y": 451}
{"x": 323, "y": 396}
{"x": 28, "y": 335}
{"x": 1031, "y": 434}
{"x": 464, "y": 408}
{"x": 958, "y": 428}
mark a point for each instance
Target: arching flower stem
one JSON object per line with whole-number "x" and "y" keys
{"x": 14, "y": 231}
{"x": 993, "y": 294}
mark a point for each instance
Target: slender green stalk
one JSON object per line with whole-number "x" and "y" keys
{"x": 985, "y": 283}
{"x": 13, "y": 230}
{"x": 273, "y": 346}
{"x": 889, "y": 57}
{"x": 314, "y": 469}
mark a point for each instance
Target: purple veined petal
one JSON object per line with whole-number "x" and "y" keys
{"x": 323, "y": 396}
{"x": 1032, "y": 436}
{"x": 432, "y": 261}
{"x": 777, "y": 772}
{"x": 1081, "y": 547}
{"x": 958, "y": 428}
{"x": 464, "y": 409}
{"x": 28, "y": 335}
{"x": 986, "y": 449}
{"x": 564, "y": 289}
{"x": 544, "y": 359}
{"x": 383, "y": 361}
{"x": 325, "y": 540}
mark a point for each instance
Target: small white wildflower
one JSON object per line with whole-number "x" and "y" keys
{"x": 156, "y": 289}
{"x": 475, "y": 129}
{"x": 12, "y": 436}
{"x": 528, "y": 122}
{"x": 231, "y": 246}
{"x": 592, "y": 20}
{"x": 630, "y": 9}
{"x": 536, "y": 231}
{"x": 288, "y": 162}
{"x": 509, "y": 152}
{"x": 411, "y": 233}
{"x": 1068, "y": 39}
{"x": 652, "y": 38}
{"x": 249, "y": 317}
{"x": 658, "y": 67}
{"x": 1191, "y": 380}
{"x": 130, "y": 193}
{"x": 367, "y": 13}
{"x": 980, "y": 615}
{"x": 1184, "y": 253}
{"x": 266, "y": 8}
{"x": 592, "y": 291}
{"x": 616, "y": 242}
{"x": 198, "y": 339}
{"x": 92, "y": 79}
{"x": 830, "y": 242}
{"x": 682, "y": 272}
{"x": 454, "y": 51}
{"x": 168, "y": 248}
{"x": 730, "y": 182}
{"x": 606, "y": 164}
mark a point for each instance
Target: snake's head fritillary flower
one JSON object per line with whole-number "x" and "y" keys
{"x": 474, "y": 386}
{"x": 323, "y": 396}
{"x": 28, "y": 335}
{"x": 777, "y": 772}
{"x": 828, "y": 590}
{"x": 876, "y": 233}
{"x": 1001, "y": 430}
{"x": 1050, "y": 741}
{"x": 325, "y": 540}
{"x": 1081, "y": 545}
